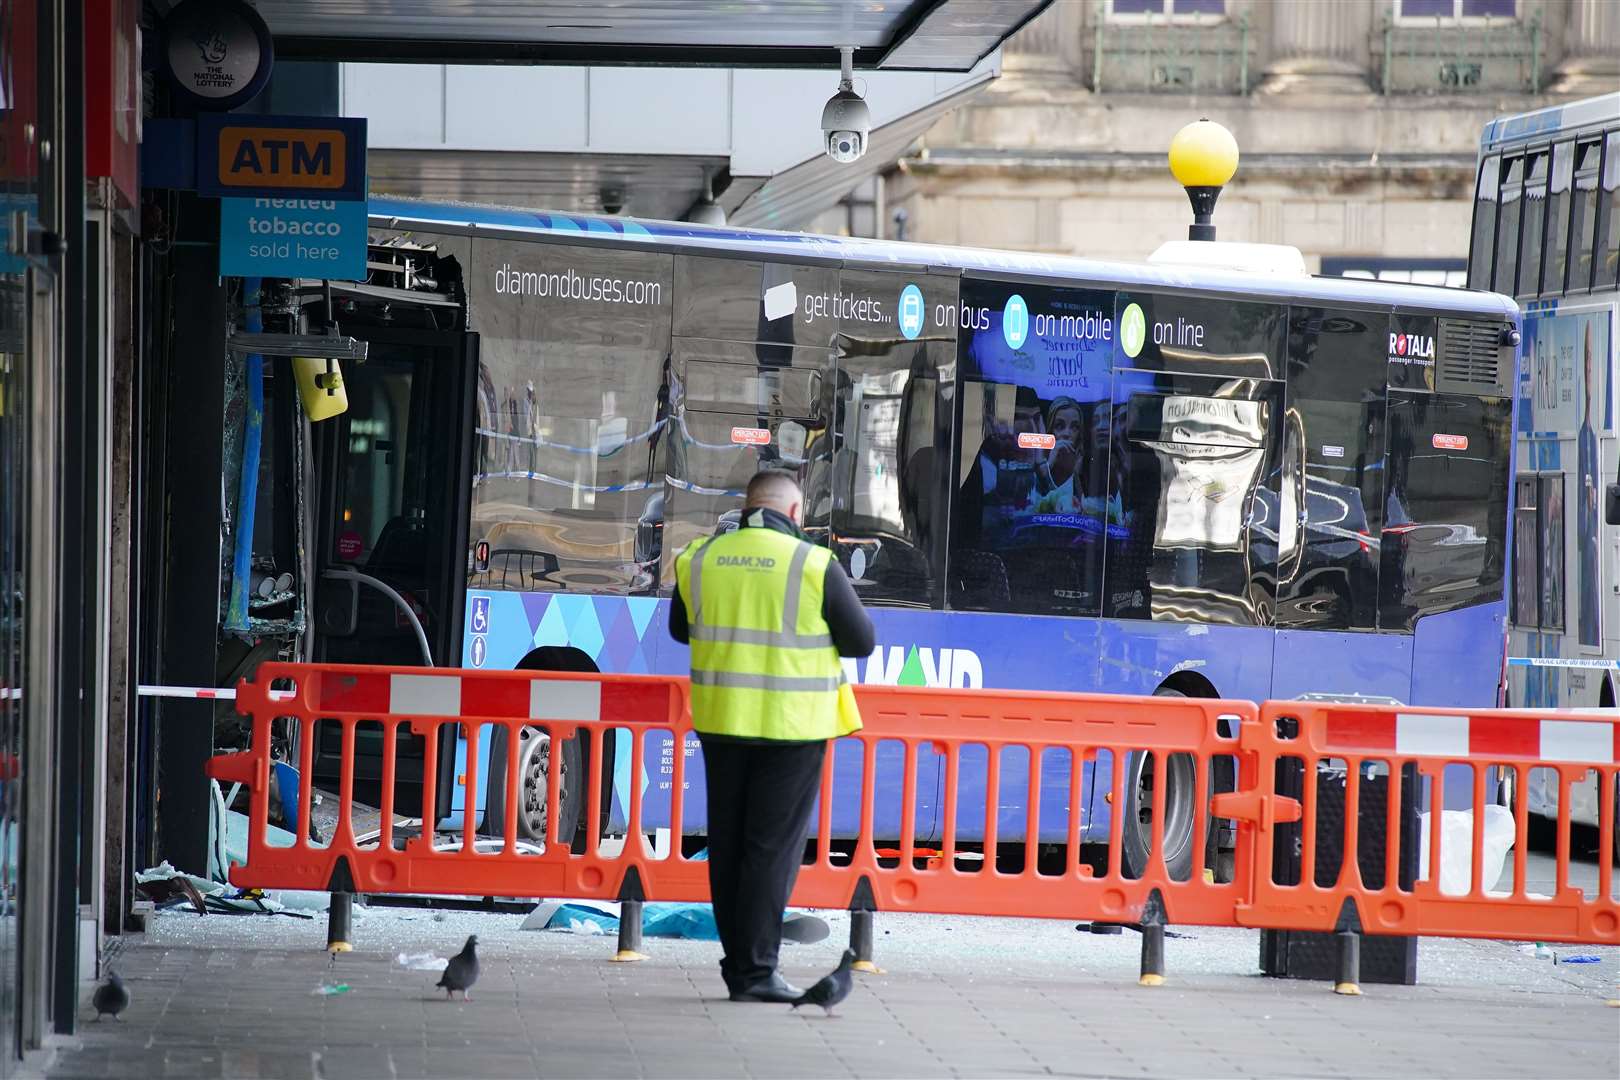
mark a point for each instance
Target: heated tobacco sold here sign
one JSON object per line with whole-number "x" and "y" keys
{"x": 292, "y": 238}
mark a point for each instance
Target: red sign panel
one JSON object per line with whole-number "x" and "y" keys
{"x": 1450, "y": 442}
{"x": 1035, "y": 440}
{"x": 349, "y": 545}
{"x": 751, "y": 436}
{"x": 112, "y": 73}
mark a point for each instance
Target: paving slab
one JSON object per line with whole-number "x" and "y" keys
{"x": 232, "y": 996}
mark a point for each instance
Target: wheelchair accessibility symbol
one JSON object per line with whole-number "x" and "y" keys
{"x": 479, "y": 623}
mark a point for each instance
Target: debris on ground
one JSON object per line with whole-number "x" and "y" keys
{"x": 693, "y": 922}
{"x": 422, "y": 961}
{"x": 330, "y": 990}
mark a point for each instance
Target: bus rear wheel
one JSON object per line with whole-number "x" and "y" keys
{"x": 1178, "y": 774}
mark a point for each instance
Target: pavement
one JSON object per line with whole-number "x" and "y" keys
{"x": 235, "y": 996}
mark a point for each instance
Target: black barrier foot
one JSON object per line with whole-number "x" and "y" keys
{"x": 861, "y": 907}
{"x": 1152, "y": 927}
{"x": 1349, "y": 978}
{"x": 339, "y": 918}
{"x": 631, "y": 896}
{"x": 629, "y": 933}
{"x": 1348, "y": 931}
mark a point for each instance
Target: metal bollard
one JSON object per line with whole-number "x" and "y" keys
{"x": 860, "y": 942}
{"x": 339, "y": 919}
{"x": 629, "y": 933}
{"x": 1152, "y": 927}
{"x": 862, "y": 905}
{"x": 1349, "y": 980}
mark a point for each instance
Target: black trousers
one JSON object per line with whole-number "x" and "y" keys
{"x": 760, "y": 795}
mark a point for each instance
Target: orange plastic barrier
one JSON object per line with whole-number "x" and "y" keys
{"x": 1408, "y": 756}
{"x": 919, "y": 720}
{"x": 1433, "y": 750}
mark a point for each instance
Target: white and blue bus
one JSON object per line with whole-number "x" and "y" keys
{"x": 1039, "y": 472}
{"x": 1546, "y": 230}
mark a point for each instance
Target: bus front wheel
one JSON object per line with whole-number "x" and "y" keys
{"x": 537, "y": 764}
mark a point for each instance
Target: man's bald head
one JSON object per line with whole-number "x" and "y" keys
{"x": 775, "y": 490}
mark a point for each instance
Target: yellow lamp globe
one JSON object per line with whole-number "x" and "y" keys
{"x": 1203, "y": 157}
{"x": 1203, "y": 154}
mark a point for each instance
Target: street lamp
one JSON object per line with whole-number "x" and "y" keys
{"x": 1203, "y": 157}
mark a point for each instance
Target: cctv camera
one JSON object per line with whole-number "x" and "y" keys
{"x": 846, "y": 122}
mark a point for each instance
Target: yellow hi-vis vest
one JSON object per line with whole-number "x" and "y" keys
{"x": 763, "y": 662}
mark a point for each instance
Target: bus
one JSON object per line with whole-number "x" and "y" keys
{"x": 1039, "y": 472}
{"x": 1546, "y": 231}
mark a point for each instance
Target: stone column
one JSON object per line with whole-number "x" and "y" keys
{"x": 1049, "y": 48}
{"x": 1591, "y": 63}
{"x": 1317, "y": 47}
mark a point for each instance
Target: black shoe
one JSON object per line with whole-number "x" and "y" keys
{"x": 772, "y": 988}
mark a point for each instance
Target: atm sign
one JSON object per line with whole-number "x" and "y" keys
{"x": 281, "y": 155}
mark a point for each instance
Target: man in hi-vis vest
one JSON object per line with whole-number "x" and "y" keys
{"x": 767, "y": 615}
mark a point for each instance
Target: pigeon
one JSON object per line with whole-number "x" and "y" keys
{"x": 110, "y": 997}
{"x": 462, "y": 970}
{"x": 833, "y": 987}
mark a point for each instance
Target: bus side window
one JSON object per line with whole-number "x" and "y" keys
{"x": 1556, "y": 263}
{"x": 1507, "y": 226}
{"x": 1483, "y": 249}
{"x": 1445, "y": 505}
{"x": 1032, "y": 508}
{"x": 1188, "y": 468}
{"x": 1534, "y": 212}
{"x": 1550, "y": 538}
{"x": 888, "y": 526}
{"x": 1526, "y": 554}
{"x": 738, "y": 408}
{"x": 1583, "y": 216}
{"x": 1607, "y": 249}
{"x": 1336, "y": 373}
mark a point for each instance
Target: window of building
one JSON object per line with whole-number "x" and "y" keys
{"x": 1181, "y": 11}
{"x": 1483, "y": 249}
{"x": 1456, "y": 10}
{"x": 1606, "y": 252}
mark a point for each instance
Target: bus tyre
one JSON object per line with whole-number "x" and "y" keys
{"x": 1179, "y": 775}
{"x": 535, "y": 770}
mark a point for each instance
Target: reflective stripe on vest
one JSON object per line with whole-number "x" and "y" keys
{"x": 777, "y": 675}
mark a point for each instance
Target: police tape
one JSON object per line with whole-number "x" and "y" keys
{"x": 1563, "y": 662}
{"x": 203, "y": 693}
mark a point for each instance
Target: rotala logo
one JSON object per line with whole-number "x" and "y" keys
{"x": 911, "y": 311}
{"x": 1411, "y": 346}
{"x": 909, "y": 665}
{"x": 1132, "y": 330}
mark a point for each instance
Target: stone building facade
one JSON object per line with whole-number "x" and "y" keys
{"x": 1358, "y": 123}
